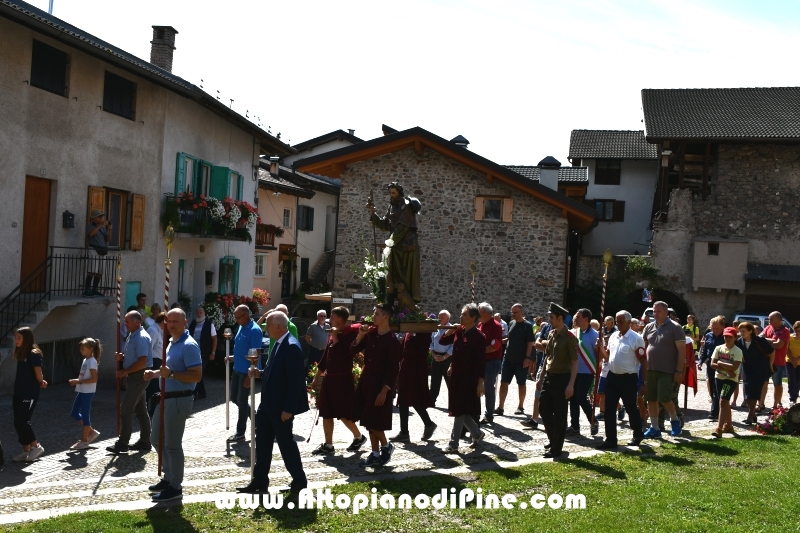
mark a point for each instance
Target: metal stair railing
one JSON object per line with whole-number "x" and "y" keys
{"x": 62, "y": 273}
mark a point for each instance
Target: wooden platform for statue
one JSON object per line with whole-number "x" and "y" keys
{"x": 419, "y": 327}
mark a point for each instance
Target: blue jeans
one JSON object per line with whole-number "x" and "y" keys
{"x": 580, "y": 400}
{"x": 241, "y": 397}
{"x": 176, "y": 411}
{"x": 490, "y": 385}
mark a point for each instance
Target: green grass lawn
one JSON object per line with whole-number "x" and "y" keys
{"x": 733, "y": 484}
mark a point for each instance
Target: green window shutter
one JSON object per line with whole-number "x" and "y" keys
{"x": 240, "y": 187}
{"x": 220, "y": 182}
{"x": 229, "y": 275}
{"x": 310, "y": 218}
{"x": 180, "y": 174}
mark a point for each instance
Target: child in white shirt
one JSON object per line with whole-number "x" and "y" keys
{"x": 85, "y": 386}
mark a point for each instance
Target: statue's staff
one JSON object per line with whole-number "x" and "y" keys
{"x": 371, "y": 209}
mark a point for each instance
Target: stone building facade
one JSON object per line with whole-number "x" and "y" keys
{"x": 523, "y": 260}
{"x": 754, "y": 195}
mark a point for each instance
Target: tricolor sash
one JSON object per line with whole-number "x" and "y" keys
{"x": 584, "y": 353}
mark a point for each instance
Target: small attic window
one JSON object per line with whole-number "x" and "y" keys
{"x": 713, "y": 248}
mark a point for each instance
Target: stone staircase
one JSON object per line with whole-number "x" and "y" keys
{"x": 321, "y": 269}
{"x": 35, "y": 317}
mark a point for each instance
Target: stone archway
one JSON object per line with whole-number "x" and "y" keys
{"x": 636, "y": 307}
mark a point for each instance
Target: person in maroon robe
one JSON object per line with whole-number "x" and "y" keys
{"x": 337, "y": 393}
{"x": 412, "y": 385}
{"x": 467, "y": 371}
{"x": 375, "y": 391}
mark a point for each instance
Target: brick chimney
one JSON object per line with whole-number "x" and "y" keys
{"x": 162, "y": 46}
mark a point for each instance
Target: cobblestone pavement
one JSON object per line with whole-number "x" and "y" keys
{"x": 63, "y": 480}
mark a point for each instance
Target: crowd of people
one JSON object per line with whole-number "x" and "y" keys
{"x": 640, "y": 363}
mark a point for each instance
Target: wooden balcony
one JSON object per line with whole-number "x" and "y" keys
{"x": 265, "y": 235}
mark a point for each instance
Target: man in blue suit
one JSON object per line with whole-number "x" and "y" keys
{"x": 283, "y": 396}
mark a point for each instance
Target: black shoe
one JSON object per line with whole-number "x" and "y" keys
{"x": 530, "y": 423}
{"x": 552, "y": 455}
{"x": 607, "y": 445}
{"x": 88, "y": 294}
{"x": 252, "y": 488}
{"x": 499, "y": 411}
{"x": 140, "y": 446}
{"x": 168, "y": 494}
{"x": 548, "y": 446}
{"x": 573, "y": 431}
{"x": 158, "y": 487}
{"x": 357, "y": 443}
{"x": 635, "y": 441}
{"x": 429, "y": 429}
{"x": 236, "y": 438}
{"x": 386, "y": 454}
{"x": 371, "y": 460}
{"x": 519, "y": 411}
{"x": 402, "y": 436}
{"x": 118, "y": 448}
{"x": 486, "y": 420}
{"x": 324, "y": 449}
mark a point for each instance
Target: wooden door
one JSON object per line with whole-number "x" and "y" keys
{"x": 35, "y": 231}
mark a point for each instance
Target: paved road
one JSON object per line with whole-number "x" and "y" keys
{"x": 65, "y": 481}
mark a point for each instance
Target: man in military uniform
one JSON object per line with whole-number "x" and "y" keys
{"x": 558, "y": 379}
{"x": 402, "y": 279}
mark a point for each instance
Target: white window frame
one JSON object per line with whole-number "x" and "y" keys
{"x": 287, "y": 217}
{"x": 263, "y": 258}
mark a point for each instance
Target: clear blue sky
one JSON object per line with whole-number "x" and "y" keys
{"x": 514, "y": 77}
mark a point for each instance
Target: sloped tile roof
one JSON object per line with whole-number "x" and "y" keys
{"x": 610, "y": 144}
{"x": 566, "y": 175}
{"x": 758, "y": 113}
{"x": 47, "y": 24}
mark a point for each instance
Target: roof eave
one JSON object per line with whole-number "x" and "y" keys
{"x": 580, "y": 216}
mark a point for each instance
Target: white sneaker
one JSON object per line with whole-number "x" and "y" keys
{"x": 20, "y": 457}
{"x": 477, "y": 440}
{"x": 92, "y": 436}
{"x": 80, "y": 445}
{"x": 450, "y": 449}
{"x": 35, "y": 453}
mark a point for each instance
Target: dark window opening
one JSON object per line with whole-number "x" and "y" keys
{"x": 49, "y": 69}
{"x": 607, "y": 172}
{"x": 119, "y": 96}
{"x": 492, "y": 209}
{"x": 305, "y": 218}
{"x": 609, "y": 210}
{"x": 713, "y": 248}
{"x": 303, "y": 269}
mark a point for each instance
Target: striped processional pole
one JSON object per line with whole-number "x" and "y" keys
{"x": 119, "y": 339}
{"x": 473, "y": 268}
{"x": 169, "y": 235}
{"x": 607, "y": 257}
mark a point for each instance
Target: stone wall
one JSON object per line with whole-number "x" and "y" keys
{"x": 755, "y": 194}
{"x": 522, "y": 261}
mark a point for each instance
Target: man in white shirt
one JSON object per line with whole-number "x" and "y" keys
{"x": 625, "y": 352}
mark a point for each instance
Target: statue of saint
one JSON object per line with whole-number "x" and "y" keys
{"x": 402, "y": 279}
